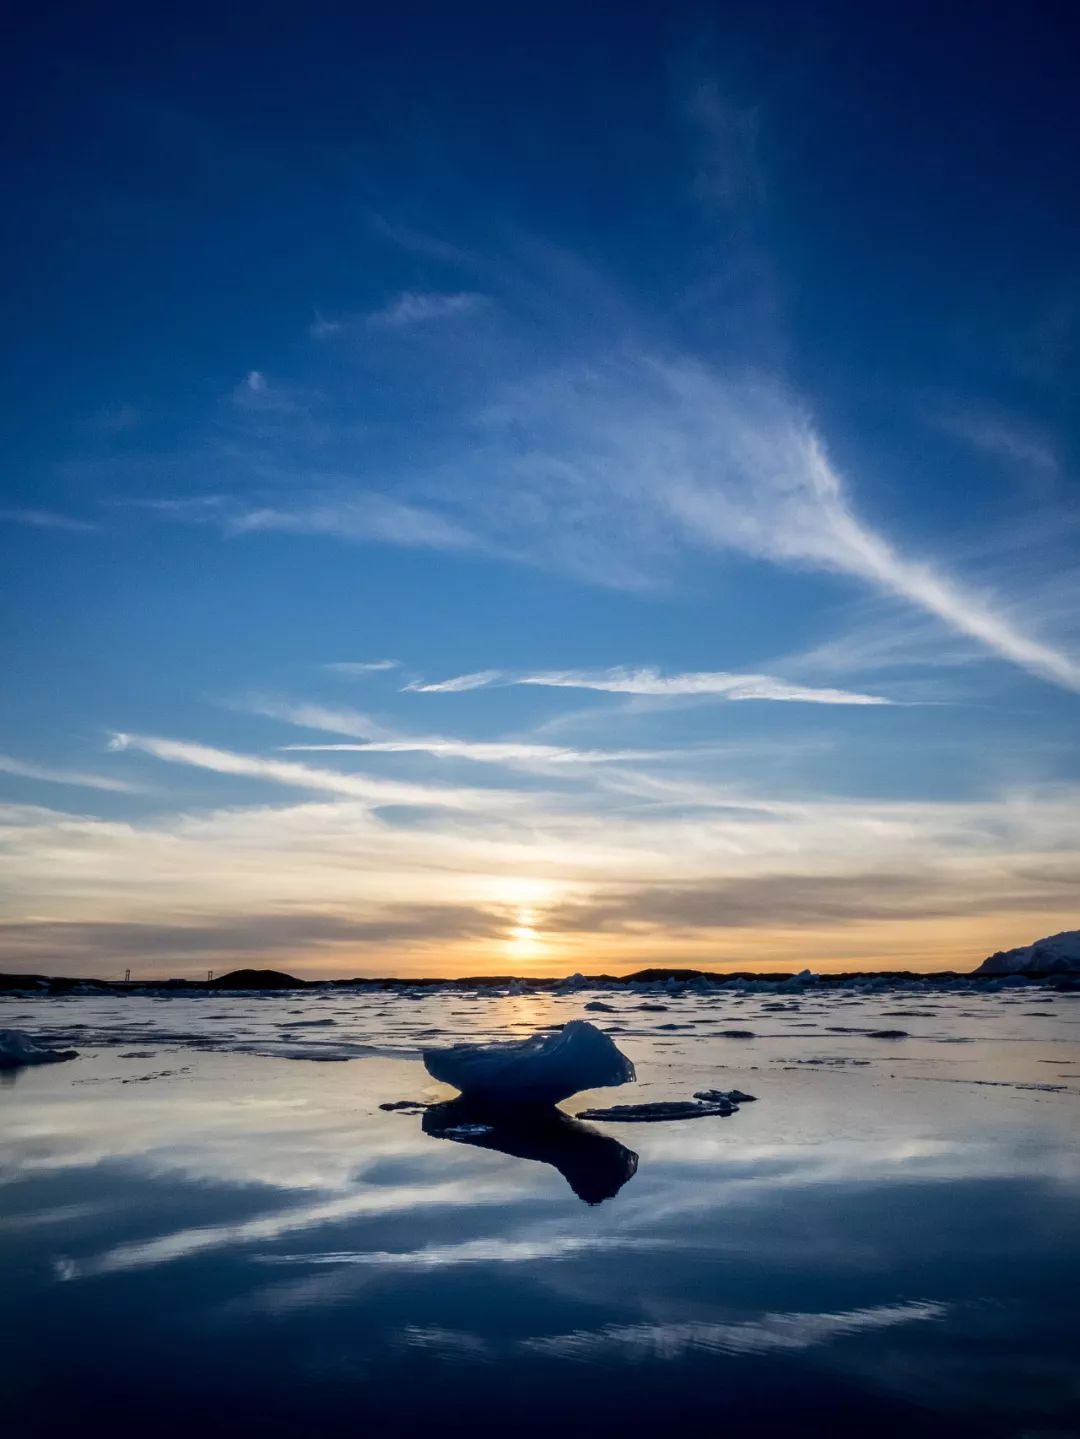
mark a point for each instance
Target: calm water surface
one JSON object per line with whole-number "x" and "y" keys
{"x": 204, "y": 1229}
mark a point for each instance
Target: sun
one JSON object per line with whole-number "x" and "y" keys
{"x": 523, "y": 940}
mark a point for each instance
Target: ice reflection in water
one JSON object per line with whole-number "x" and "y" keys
{"x": 595, "y": 1165}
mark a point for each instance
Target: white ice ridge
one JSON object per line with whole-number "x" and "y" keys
{"x": 540, "y": 1070}
{"x": 17, "y": 1048}
{"x": 1057, "y": 954}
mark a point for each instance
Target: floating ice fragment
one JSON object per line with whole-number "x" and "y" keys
{"x": 18, "y": 1048}
{"x": 661, "y": 1110}
{"x": 719, "y": 1102}
{"x": 540, "y": 1070}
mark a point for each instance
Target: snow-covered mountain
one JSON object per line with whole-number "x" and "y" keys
{"x": 1057, "y": 954}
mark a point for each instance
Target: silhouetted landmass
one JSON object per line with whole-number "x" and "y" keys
{"x": 257, "y": 979}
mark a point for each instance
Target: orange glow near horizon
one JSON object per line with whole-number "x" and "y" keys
{"x": 917, "y": 944}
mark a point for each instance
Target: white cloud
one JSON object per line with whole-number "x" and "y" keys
{"x": 379, "y": 793}
{"x": 758, "y": 877}
{"x": 888, "y": 640}
{"x": 991, "y": 434}
{"x": 729, "y": 176}
{"x": 479, "y": 680}
{"x": 26, "y": 769}
{"x": 322, "y": 328}
{"x": 361, "y": 667}
{"x": 649, "y": 681}
{"x": 416, "y": 307}
{"x": 611, "y": 471}
{"x": 364, "y": 517}
{"x": 47, "y": 520}
{"x": 255, "y": 393}
{"x": 378, "y": 739}
{"x": 485, "y": 751}
{"x": 617, "y": 466}
{"x": 332, "y": 718}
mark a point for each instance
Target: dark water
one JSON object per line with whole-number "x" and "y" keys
{"x": 211, "y": 1241}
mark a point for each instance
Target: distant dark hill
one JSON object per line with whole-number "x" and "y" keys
{"x": 257, "y": 979}
{"x": 688, "y": 976}
{"x": 658, "y": 976}
{"x": 23, "y": 981}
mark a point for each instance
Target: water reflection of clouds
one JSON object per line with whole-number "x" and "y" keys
{"x": 758, "y": 1336}
{"x": 186, "y": 1243}
{"x": 340, "y": 1276}
{"x": 348, "y": 1163}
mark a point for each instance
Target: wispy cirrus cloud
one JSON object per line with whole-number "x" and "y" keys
{"x": 485, "y": 751}
{"x": 355, "y": 515}
{"x": 887, "y": 641}
{"x": 259, "y": 395}
{"x": 642, "y": 457}
{"x": 421, "y": 307}
{"x": 459, "y": 684}
{"x": 616, "y": 469}
{"x": 47, "y": 520}
{"x": 27, "y": 769}
{"x": 729, "y": 176}
{"x": 649, "y": 681}
{"x": 333, "y": 719}
{"x": 360, "y": 517}
{"x": 405, "y": 311}
{"x": 360, "y": 667}
{"x": 376, "y": 738}
{"x": 722, "y": 685}
{"x": 993, "y": 434}
{"x": 379, "y": 793}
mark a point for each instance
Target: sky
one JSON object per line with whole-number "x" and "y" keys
{"x": 533, "y": 489}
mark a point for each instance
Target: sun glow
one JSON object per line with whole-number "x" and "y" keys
{"x": 524, "y": 940}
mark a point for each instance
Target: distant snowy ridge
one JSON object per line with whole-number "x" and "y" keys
{"x": 1057, "y": 954}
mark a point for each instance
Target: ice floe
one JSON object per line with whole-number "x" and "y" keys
{"x": 18, "y": 1048}
{"x": 664, "y": 1109}
{"x": 719, "y": 1103}
{"x": 542, "y": 1069}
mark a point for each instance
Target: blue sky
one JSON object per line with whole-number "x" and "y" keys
{"x": 497, "y": 488}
